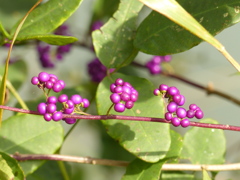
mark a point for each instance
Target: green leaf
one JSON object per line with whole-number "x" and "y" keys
{"x": 4, "y": 32}
{"x": 16, "y": 170}
{"x": 113, "y": 43}
{"x": 148, "y": 141}
{"x": 141, "y": 170}
{"x": 204, "y": 145}
{"x": 104, "y": 9}
{"x": 47, "y": 17}
{"x": 43, "y": 172}
{"x": 165, "y": 37}
{"x": 10, "y": 13}
{"x": 51, "y": 39}
{"x": 30, "y": 134}
{"x": 176, "y": 145}
{"x": 206, "y": 175}
{"x": 5, "y": 170}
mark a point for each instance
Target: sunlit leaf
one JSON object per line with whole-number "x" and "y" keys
{"x": 30, "y": 134}
{"x": 204, "y": 145}
{"x": 113, "y": 43}
{"x": 148, "y": 141}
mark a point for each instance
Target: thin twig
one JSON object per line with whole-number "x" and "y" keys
{"x": 108, "y": 162}
{"x": 209, "y": 89}
{"x": 128, "y": 118}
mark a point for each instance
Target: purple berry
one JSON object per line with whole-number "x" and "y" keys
{"x": 185, "y": 123}
{"x": 126, "y": 89}
{"x": 167, "y": 58}
{"x": 125, "y": 96}
{"x": 86, "y": 103}
{"x": 51, "y": 108}
{"x": 190, "y": 113}
{"x": 134, "y": 91}
{"x": 41, "y": 108}
{"x": 76, "y": 99}
{"x": 119, "y": 82}
{"x": 127, "y": 84}
{"x": 156, "y": 92}
{"x": 43, "y": 76}
{"x": 133, "y": 97}
{"x": 175, "y": 121}
{"x": 177, "y": 98}
{"x": 157, "y": 59}
{"x": 57, "y": 116}
{"x": 129, "y": 104}
{"x": 168, "y": 116}
{"x": 70, "y": 120}
{"x": 48, "y": 85}
{"x": 69, "y": 104}
{"x": 47, "y": 117}
{"x": 57, "y": 87}
{"x": 62, "y": 98}
{"x": 182, "y": 101}
{"x": 118, "y": 89}
{"x": 115, "y": 98}
{"x": 34, "y": 80}
{"x": 112, "y": 88}
{"x": 119, "y": 107}
{"x": 199, "y": 114}
{"x": 52, "y": 99}
{"x": 163, "y": 87}
{"x": 53, "y": 76}
{"x": 181, "y": 112}
{"x": 53, "y": 79}
{"x": 172, "y": 107}
{"x": 62, "y": 83}
{"x": 172, "y": 91}
{"x": 193, "y": 107}
{"x": 69, "y": 110}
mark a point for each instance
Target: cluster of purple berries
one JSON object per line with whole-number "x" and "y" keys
{"x": 154, "y": 65}
{"x": 46, "y": 53}
{"x": 49, "y": 108}
{"x": 124, "y": 95}
{"x": 48, "y": 81}
{"x": 97, "y": 70}
{"x": 176, "y": 114}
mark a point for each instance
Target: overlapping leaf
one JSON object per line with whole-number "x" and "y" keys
{"x": 104, "y": 9}
{"x": 160, "y": 36}
{"x": 113, "y": 43}
{"x": 142, "y": 170}
{"x": 47, "y": 17}
{"x": 3, "y": 31}
{"x": 10, "y": 168}
{"x": 147, "y": 140}
{"x": 203, "y": 145}
{"x": 30, "y": 134}
{"x": 51, "y": 39}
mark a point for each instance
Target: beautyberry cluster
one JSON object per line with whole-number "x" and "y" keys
{"x": 124, "y": 95}
{"x": 48, "y": 109}
{"x": 176, "y": 114}
{"x": 154, "y": 65}
{"x": 97, "y": 70}
{"x": 47, "y": 53}
{"x": 48, "y": 81}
